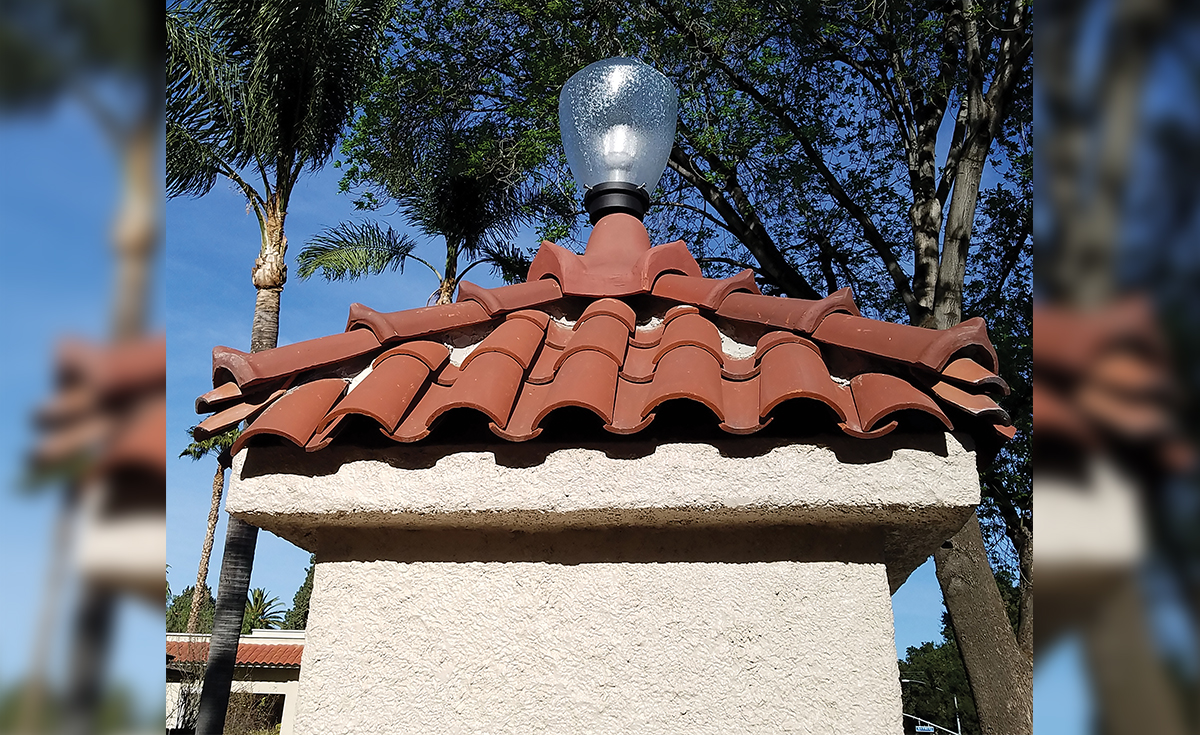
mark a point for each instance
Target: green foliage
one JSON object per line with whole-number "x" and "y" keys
{"x": 455, "y": 180}
{"x": 179, "y": 608}
{"x": 261, "y": 612}
{"x": 353, "y": 250}
{"x": 263, "y": 84}
{"x": 297, "y": 616}
{"x": 940, "y": 666}
{"x": 216, "y": 446}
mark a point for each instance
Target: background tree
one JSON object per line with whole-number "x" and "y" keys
{"x": 937, "y": 675}
{"x": 297, "y": 616}
{"x": 807, "y": 150}
{"x": 261, "y": 611}
{"x": 180, "y": 615}
{"x": 259, "y": 91}
{"x": 463, "y": 183}
{"x": 219, "y": 447}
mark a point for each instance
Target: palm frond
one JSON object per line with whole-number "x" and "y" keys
{"x": 508, "y": 261}
{"x": 353, "y": 250}
{"x": 213, "y": 446}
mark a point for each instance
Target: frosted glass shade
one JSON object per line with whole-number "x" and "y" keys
{"x": 617, "y": 119}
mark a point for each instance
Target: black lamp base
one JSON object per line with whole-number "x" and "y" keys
{"x": 616, "y": 196}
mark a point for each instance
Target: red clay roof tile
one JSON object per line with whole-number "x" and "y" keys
{"x": 793, "y": 370}
{"x": 108, "y": 409}
{"x": 1102, "y": 382}
{"x": 249, "y": 370}
{"x": 970, "y": 373}
{"x": 877, "y": 396}
{"x": 687, "y": 372}
{"x": 230, "y": 417}
{"x": 297, "y": 413}
{"x": 973, "y": 403}
{"x": 399, "y": 325}
{"x": 801, "y": 315}
{"x": 510, "y": 298}
{"x": 587, "y": 379}
{"x": 517, "y": 338}
{"x": 704, "y": 292}
{"x": 601, "y": 333}
{"x": 539, "y": 349}
{"x": 386, "y": 392}
{"x": 490, "y": 385}
{"x": 433, "y": 354}
{"x": 248, "y": 654}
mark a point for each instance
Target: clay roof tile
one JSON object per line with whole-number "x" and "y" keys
{"x": 574, "y": 337}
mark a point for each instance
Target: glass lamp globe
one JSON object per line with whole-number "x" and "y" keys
{"x": 617, "y": 120}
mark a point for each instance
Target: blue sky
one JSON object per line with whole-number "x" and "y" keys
{"x": 205, "y": 298}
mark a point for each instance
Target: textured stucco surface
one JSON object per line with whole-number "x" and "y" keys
{"x": 917, "y": 489}
{"x": 451, "y": 647}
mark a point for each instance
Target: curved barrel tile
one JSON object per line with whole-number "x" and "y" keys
{"x": 792, "y": 370}
{"x": 516, "y": 338}
{"x": 296, "y": 414}
{"x": 601, "y": 333}
{"x": 878, "y": 395}
{"x": 586, "y": 379}
{"x": 688, "y": 372}
{"x": 386, "y": 393}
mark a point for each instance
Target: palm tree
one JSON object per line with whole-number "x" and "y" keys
{"x": 218, "y": 446}
{"x": 259, "y": 90}
{"x": 454, "y": 181}
{"x": 261, "y": 612}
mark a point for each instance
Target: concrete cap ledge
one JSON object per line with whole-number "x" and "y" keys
{"x": 916, "y": 489}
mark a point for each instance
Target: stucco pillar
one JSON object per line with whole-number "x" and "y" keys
{"x": 737, "y": 586}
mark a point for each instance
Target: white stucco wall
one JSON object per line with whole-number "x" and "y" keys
{"x": 919, "y": 489}
{"x": 622, "y": 587}
{"x": 529, "y": 647}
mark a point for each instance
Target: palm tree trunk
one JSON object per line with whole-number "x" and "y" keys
{"x": 94, "y": 613}
{"x": 269, "y": 275}
{"x": 450, "y": 281}
{"x": 136, "y": 229}
{"x": 33, "y": 702}
{"x": 237, "y": 559}
{"x": 214, "y": 512}
{"x": 236, "y": 565}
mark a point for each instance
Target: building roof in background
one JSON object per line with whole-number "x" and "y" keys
{"x": 183, "y": 648}
{"x": 617, "y": 332}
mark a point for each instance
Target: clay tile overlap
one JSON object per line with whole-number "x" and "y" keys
{"x": 586, "y": 379}
{"x": 296, "y": 414}
{"x": 703, "y": 292}
{"x": 690, "y": 329}
{"x": 968, "y": 372}
{"x": 490, "y": 385}
{"x": 602, "y": 333}
{"x": 517, "y": 338}
{"x": 427, "y": 320}
{"x": 510, "y": 298}
{"x": 569, "y": 338}
{"x": 386, "y": 392}
{"x": 792, "y": 370}
{"x": 687, "y": 372}
{"x": 877, "y": 396}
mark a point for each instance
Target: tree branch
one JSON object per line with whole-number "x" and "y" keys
{"x": 874, "y": 238}
{"x": 774, "y": 267}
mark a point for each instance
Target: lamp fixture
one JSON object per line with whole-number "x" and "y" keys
{"x": 617, "y": 121}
